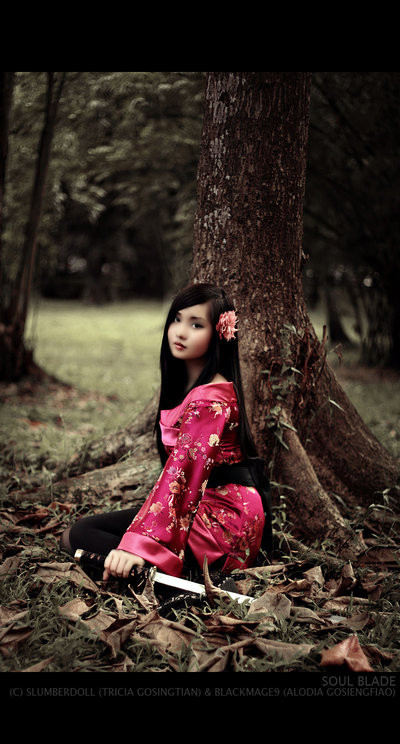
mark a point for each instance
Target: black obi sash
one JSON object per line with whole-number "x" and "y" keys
{"x": 249, "y": 472}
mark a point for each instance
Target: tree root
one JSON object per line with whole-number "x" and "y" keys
{"x": 311, "y": 509}
{"x": 285, "y": 543}
{"x": 128, "y": 482}
{"x": 136, "y": 439}
{"x": 336, "y": 434}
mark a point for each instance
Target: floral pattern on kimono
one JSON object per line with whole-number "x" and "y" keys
{"x": 228, "y": 520}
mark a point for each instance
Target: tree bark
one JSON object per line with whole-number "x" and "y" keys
{"x": 336, "y": 331}
{"x": 248, "y": 238}
{"x": 16, "y": 360}
{"x": 6, "y": 95}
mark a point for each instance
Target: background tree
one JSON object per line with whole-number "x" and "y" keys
{"x": 6, "y": 91}
{"x": 351, "y": 204}
{"x": 121, "y": 187}
{"x": 322, "y": 459}
{"x": 117, "y": 214}
{"x": 133, "y": 140}
{"x": 15, "y": 359}
{"x": 117, "y": 217}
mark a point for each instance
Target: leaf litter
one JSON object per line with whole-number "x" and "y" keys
{"x": 301, "y": 618}
{"x": 306, "y": 616}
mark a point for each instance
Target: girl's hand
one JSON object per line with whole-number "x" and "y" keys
{"x": 120, "y": 563}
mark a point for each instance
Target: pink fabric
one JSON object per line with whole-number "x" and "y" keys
{"x": 150, "y": 549}
{"x": 228, "y": 520}
{"x": 221, "y": 391}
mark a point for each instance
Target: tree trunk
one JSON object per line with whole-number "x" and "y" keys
{"x": 16, "y": 360}
{"x": 336, "y": 332}
{"x": 6, "y": 94}
{"x": 248, "y": 238}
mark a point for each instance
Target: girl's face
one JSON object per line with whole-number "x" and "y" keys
{"x": 190, "y": 333}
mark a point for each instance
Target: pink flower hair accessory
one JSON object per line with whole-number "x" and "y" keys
{"x": 226, "y": 325}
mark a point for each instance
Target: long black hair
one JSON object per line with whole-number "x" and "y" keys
{"x": 222, "y": 357}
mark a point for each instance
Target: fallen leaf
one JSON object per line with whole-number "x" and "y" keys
{"x": 220, "y": 623}
{"x": 244, "y": 586}
{"x": 63, "y": 506}
{"x": 346, "y": 582}
{"x": 9, "y": 616}
{"x": 315, "y": 575}
{"x": 218, "y": 663}
{"x": 11, "y": 637}
{"x": 167, "y": 635}
{"x": 386, "y": 556}
{"x": 206, "y": 660}
{"x": 100, "y": 621}
{"x": 305, "y": 615}
{"x": 295, "y": 588}
{"x": 347, "y": 652}
{"x": 340, "y": 604}
{"x": 39, "y": 666}
{"x": 372, "y": 583}
{"x": 358, "y": 621}
{"x": 51, "y": 572}
{"x": 262, "y": 571}
{"x": 10, "y": 565}
{"x": 275, "y": 605}
{"x": 125, "y": 665}
{"x": 34, "y": 516}
{"x": 74, "y": 609}
{"x": 122, "y": 615}
{"x": 116, "y": 635}
{"x": 49, "y": 526}
{"x": 111, "y": 629}
{"x": 14, "y": 529}
{"x": 355, "y": 622}
{"x": 57, "y": 567}
{"x": 286, "y": 652}
{"x": 147, "y": 598}
{"x": 378, "y": 656}
{"x": 34, "y": 552}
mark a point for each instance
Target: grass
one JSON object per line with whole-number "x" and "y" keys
{"x": 109, "y": 355}
{"x": 113, "y": 349}
{"x": 375, "y": 393}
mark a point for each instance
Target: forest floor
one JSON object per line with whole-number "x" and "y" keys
{"x": 308, "y": 615}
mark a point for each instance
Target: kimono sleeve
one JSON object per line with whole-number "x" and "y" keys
{"x": 160, "y": 530}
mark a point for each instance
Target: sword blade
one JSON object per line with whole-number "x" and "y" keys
{"x": 161, "y": 578}
{"x": 192, "y": 586}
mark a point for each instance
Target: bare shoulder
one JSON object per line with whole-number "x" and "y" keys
{"x": 218, "y": 378}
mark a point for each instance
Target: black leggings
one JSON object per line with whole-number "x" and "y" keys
{"x": 101, "y": 533}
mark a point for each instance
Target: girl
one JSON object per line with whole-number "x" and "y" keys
{"x": 205, "y": 502}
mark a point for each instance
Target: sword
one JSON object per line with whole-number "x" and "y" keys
{"x": 155, "y": 576}
{"x": 192, "y": 586}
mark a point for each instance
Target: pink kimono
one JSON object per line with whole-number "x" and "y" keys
{"x": 228, "y": 520}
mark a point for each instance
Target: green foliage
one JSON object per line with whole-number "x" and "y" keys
{"x": 123, "y": 139}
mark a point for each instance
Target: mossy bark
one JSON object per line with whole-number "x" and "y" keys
{"x": 248, "y": 238}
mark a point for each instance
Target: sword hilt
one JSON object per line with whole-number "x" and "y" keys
{"x": 87, "y": 557}
{"x": 137, "y": 574}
